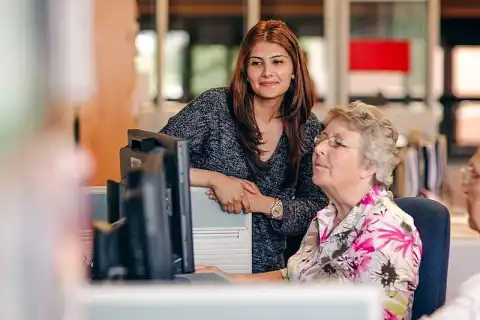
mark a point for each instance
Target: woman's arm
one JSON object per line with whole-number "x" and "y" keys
{"x": 194, "y": 123}
{"x": 309, "y": 199}
{"x": 256, "y": 278}
{"x": 271, "y": 276}
{"x": 204, "y": 178}
{"x": 299, "y": 211}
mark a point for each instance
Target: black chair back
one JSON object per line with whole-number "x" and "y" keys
{"x": 432, "y": 220}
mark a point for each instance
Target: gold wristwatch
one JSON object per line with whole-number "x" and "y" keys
{"x": 276, "y": 211}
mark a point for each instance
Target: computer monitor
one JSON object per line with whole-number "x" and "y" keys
{"x": 233, "y": 302}
{"x": 177, "y": 164}
{"x": 147, "y": 241}
{"x": 114, "y": 200}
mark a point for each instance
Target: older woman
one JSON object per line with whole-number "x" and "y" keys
{"x": 361, "y": 236}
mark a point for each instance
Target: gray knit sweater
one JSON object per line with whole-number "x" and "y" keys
{"x": 207, "y": 123}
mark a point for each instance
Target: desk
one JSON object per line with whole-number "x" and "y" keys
{"x": 220, "y": 239}
{"x": 464, "y": 263}
{"x": 279, "y": 302}
{"x": 225, "y": 240}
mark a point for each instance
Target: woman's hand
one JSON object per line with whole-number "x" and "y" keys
{"x": 231, "y": 192}
{"x": 258, "y": 203}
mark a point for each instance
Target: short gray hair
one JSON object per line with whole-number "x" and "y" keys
{"x": 379, "y": 137}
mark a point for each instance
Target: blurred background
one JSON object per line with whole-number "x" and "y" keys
{"x": 416, "y": 59}
{"x": 119, "y": 64}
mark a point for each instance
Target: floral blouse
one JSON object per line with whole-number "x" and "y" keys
{"x": 376, "y": 243}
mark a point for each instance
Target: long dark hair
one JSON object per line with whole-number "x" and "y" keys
{"x": 296, "y": 105}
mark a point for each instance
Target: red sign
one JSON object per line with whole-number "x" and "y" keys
{"x": 380, "y": 55}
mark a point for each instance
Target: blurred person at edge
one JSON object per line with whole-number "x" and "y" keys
{"x": 466, "y": 306}
{"x": 252, "y": 143}
{"x": 41, "y": 175}
{"x": 42, "y": 261}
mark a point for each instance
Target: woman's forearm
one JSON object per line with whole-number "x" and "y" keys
{"x": 203, "y": 178}
{"x": 272, "y": 276}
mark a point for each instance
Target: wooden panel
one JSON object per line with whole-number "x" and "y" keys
{"x": 104, "y": 122}
{"x": 207, "y": 10}
{"x": 200, "y": 3}
{"x": 458, "y": 12}
{"x": 207, "y": 7}
{"x": 460, "y": 8}
{"x": 196, "y": 7}
{"x": 449, "y": 8}
{"x": 290, "y": 2}
{"x": 292, "y": 10}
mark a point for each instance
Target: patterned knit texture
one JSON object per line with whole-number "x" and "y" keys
{"x": 208, "y": 124}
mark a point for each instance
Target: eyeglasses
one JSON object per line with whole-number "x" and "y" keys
{"x": 468, "y": 175}
{"x": 333, "y": 141}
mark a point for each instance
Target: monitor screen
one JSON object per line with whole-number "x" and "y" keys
{"x": 140, "y": 144}
{"x": 114, "y": 201}
{"x": 147, "y": 222}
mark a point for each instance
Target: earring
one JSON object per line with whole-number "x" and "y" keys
{"x": 293, "y": 76}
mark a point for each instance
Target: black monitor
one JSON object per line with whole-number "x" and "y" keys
{"x": 177, "y": 166}
{"x": 115, "y": 196}
{"x": 147, "y": 221}
{"x": 136, "y": 246}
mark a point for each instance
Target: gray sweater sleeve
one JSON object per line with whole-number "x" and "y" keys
{"x": 194, "y": 122}
{"x": 309, "y": 199}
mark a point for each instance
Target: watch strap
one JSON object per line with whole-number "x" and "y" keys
{"x": 276, "y": 211}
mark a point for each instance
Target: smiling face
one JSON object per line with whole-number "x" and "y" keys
{"x": 269, "y": 70}
{"x": 337, "y": 160}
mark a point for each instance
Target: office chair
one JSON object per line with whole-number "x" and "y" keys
{"x": 432, "y": 220}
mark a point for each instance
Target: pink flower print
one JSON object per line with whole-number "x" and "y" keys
{"x": 369, "y": 224}
{"x": 379, "y": 213}
{"x": 417, "y": 256}
{"x": 362, "y": 250}
{"x": 371, "y": 196}
{"x": 324, "y": 235}
{"x": 364, "y": 246}
{"x": 368, "y": 200}
{"x": 361, "y": 264}
{"x": 376, "y": 190}
{"x": 403, "y": 240}
{"x": 388, "y": 315}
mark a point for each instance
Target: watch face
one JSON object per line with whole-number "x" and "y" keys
{"x": 276, "y": 211}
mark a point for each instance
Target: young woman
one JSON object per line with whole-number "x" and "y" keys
{"x": 252, "y": 143}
